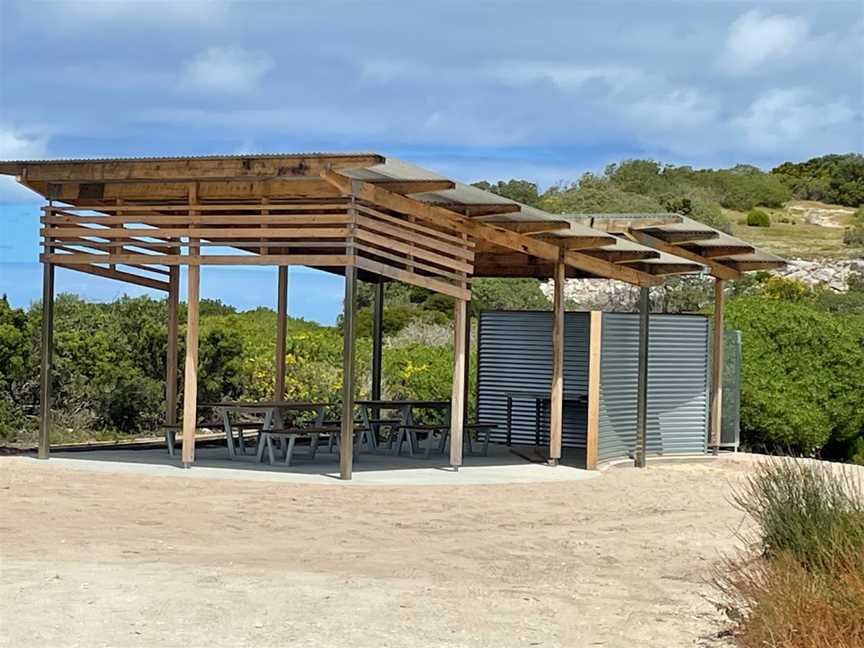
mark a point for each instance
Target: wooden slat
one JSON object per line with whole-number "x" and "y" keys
{"x": 448, "y": 263}
{"x": 747, "y": 266}
{"x": 185, "y": 208}
{"x": 414, "y": 237}
{"x": 204, "y": 232}
{"x": 482, "y": 210}
{"x": 238, "y": 219}
{"x": 119, "y": 275}
{"x": 311, "y": 260}
{"x": 594, "y": 358}
{"x": 417, "y": 265}
{"x": 410, "y": 278}
{"x": 422, "y": 229}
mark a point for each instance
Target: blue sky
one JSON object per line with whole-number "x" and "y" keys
{"x": 484, "y": 90}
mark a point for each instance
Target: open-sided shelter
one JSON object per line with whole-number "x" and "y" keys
{"x": 362, "y": 215}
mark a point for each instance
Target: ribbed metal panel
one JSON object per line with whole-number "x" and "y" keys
{"x": 515, "y": 355}
{"x": 677, "y": 385}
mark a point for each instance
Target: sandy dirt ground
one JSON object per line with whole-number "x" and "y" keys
{"x": 96, "y": 559}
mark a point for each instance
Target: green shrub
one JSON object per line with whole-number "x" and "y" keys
{"x": 802, "y": 374}
{"x": 758, "y": 218}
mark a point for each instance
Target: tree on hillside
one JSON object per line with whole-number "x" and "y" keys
{"x": 519, "y": 190}
{"x": 831, "y": 178}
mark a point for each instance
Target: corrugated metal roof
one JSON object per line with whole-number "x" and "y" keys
{"x": 169, "y": 158}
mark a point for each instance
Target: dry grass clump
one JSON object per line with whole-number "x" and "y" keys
{"x": 802, "y": 583}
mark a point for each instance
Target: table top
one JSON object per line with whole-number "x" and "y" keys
{"x": 568, "y": 396}
{"x": 404, "y": 403}
{"x": 265, "y": 405}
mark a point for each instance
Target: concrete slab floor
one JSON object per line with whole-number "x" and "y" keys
{"x": 501, "y": 466}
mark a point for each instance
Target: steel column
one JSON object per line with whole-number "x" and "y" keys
{"x": 346, "y": 451}
{"x": 642, "y": 383}
{"x": 47, "y": 359}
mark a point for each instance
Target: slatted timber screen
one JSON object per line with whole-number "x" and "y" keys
{"x": 326, "y": 233}
{"x": 395, "y": 246}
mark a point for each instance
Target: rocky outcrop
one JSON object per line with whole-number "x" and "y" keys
{"x": 615, "y": 296}
{"x": 833, "y": 274}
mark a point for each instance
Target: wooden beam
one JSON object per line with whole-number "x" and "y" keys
{"x": 486, "y": 231}
{"x": 624, "y": 256}
{"x": 681, "y": 236}
{"x": 716, "y": 414}
{"x": 311, "y": 260}
{"x": 532, "y": 227}
{"x": 173, "y": 303}
{"x": 47, "y": 359}
{"x": 457, "y": 404}
{"x": 484, "y": 210}
{"x": 281, "y": 331}
{"x": 189, "y": 169}
{"x": 190, "y": 375}
{"x": 556, "y": 403}
{"x": 595, "y": 347}
{"x": 414, "y": 186}
{"x": 669, "y": 268}
{"x": 119, "y": 275}
{"x": 346, "y": 445}
{"x": 714, "y": 251}
{"x": 716, "y": 268}
{"x": 748, "y": 266}
{"x": 622, "y": 224}
{"x": 580, "y": 242}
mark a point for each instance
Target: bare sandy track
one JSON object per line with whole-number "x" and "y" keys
{"x": 95, "y": 559}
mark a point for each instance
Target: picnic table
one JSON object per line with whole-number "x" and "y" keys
{"x": 542, "y": 401}
{"x": 274, "y": 420}
{"x": 405, "y": 425}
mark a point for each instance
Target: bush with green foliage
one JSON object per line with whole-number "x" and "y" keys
{"x": 835, "y": 178}
{"x": 802, "y": 374}
{"x": 758, "y": 218}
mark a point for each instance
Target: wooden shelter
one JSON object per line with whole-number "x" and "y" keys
{"x": 369, "y": 218}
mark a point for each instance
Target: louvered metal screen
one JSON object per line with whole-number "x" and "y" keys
{"x": 677, "y": 385}
{"x": 515, "y": 355}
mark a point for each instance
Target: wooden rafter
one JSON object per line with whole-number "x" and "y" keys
{"x": 186, "y": 169}
{"x": 714, "y": 251}
{"x": 533, "y": 227}
{"x": 482, "y": 210}
{"x": 717, "y": 269}
{"x": 489, "y": 232}
{"x": 414, "y": 186}
{"x": 127, "y": 277}
{"x": 580, "y": 242}
{"x": 681, "y": 236}
{"x": 624, "y": 256}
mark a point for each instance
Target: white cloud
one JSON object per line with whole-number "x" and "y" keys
{"x": 791, "y": 120}
{"x": 566, "y": 76}
{"x": 83, "y": 13}
{"x": 14, "y": 146}
{"x": 756, "y": 38}
{"x": 227, "y": 69}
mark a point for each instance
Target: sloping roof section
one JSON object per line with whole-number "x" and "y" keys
{"x": 511, "y": 239}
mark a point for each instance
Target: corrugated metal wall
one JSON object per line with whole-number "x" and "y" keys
{"x": 677, "y": 384}
{"x": 515, "y": 354}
